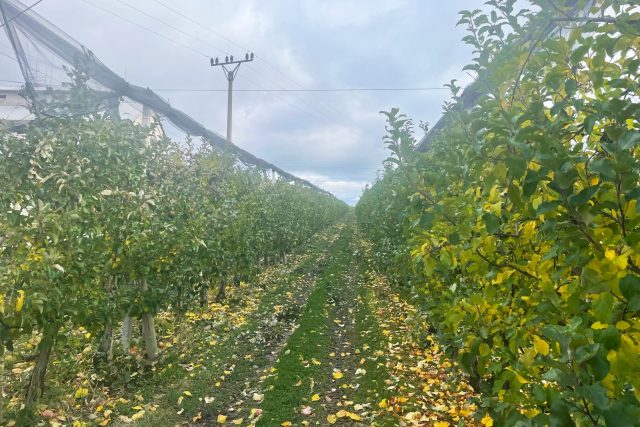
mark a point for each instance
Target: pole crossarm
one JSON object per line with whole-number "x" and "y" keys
{"x": 230, "y": 74}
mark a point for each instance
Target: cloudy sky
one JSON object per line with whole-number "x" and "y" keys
{"x": 331, "y": 138}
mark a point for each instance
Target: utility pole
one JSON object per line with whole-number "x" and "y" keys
{"x": 230, "y": 74}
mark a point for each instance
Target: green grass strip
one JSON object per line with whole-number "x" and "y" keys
{"x": 296, "y": 377}
{"x": 231, "y": 350}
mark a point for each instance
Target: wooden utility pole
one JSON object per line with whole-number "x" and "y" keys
{"x": 230, "y": 74}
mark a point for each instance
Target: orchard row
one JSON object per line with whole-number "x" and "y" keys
{"x": 101, "y": 222}
{"x": 519, "y": 224}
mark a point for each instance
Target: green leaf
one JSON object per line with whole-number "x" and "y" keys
{"x": 570, "y": 86}
{"x": 630, "y": 286}
{"x": 622, "y": 414}
{"x": 547, "y": 207}
{"x": 560, "y": 415}
{"x": 608, "y": 337}
{"x": 491, "y": 222}
{"x": 584, "y": 196}
{"x": 629, "y": 139}
{"x": 514, "y": 195}
{"x": 517, "y": 166}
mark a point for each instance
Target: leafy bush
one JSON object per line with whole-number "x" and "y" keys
{"x": 522, "y": 216}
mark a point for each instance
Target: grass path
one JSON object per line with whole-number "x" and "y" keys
{"x": 361, "y": 356}
{"x": 225, "y": 383}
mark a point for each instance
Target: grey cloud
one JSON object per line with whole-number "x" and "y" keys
{"x": 333, "y": 139}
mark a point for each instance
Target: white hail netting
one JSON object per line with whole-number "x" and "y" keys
{"x": 33, "y": 56}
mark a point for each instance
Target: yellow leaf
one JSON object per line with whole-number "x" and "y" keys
{"x": 238, "y": 421}
{"x": 383, "y": 403}
{"x": 137, "y": 416}
{"x": 622, "y": 325}
{"x": 441, "y": 424}
{"x": 80, "y": 393}
{"x": 337, "y": 375}
{"x": 341, "y": 413}
{"x": 286, "y": 424}
{"x": 610, "y": 254}
{"x": 1, "y": 303}
{"x": 519, "y": 378}
{"x": 540, "y": 345}
{"x": 20, "y": 301}
{"x": 137, "y": 408}
{"x": 529, "y": 413}
{"x": 331, "y": 419}
{"x": 221, "y": 419}
{"x": 487, "y": 421}
{"x": 599, "y": 325}
{"x": 315, "y": 397}
{"x": 187, "y": 393}
{"x": 354, "y": 417}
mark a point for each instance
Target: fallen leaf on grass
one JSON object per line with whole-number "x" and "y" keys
{"x": 137, "y": 415}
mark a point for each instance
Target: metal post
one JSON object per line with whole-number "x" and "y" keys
{"x": 229, "y": 105}
{"x": 230, "y": 74}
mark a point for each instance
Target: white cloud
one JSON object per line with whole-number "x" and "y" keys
{"x": 347, "y": 190}
{"x": 349, "y": 13}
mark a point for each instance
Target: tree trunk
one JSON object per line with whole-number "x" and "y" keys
{"x": 149, "y": 332}
{"x": 36, "y": 383}
{"x": 149, "y": 335}
{"x": 105, "y": 351}
{"x": 221, "y": 290}
{"x": 126, "y": 333}
{"x": 204, "y": 291}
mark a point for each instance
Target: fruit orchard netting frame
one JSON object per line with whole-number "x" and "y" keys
{"x": 27, "y": 28}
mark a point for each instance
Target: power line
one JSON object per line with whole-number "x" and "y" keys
{"x": 10, "y": 81}
{"x": 200, "y": 53}
{"x": 364, "y": 89}
{"x": 147, "y": 29}
{"x": 201, "y": 26}
{"x": 20, "y": 13}
{"x": 193, "y": 21}
{"x": 179, "y": 30}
